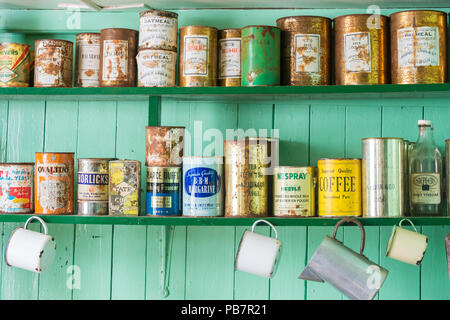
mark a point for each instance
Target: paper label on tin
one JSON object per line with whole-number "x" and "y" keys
{"x": 53, "y": 194}
{"x": 161, "y": 201}
{"x": 156, "y": 68}
{"x": 418, "y": 47}
{"x": 93, "y": 186}
{"x": 196, "y": 55}
{"x": 158, "y": 32}
{"x": 115, "y": 60}
{"x": 230, "y": 58}
{"x": 15, "y": 189}
{"x": 49, "y": 66}
{"x": 425, "y": 188}
{"x": 307, "y": 58}
{"x": 292, "y": 193}
{"x": 357, "y": 52}
{"x": 88, "y": 62}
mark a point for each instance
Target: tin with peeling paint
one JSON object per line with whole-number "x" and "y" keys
{"x": 53, "y": 181}
{"x": 124, "y": 187}
{"x": 158, "y": 30}
{"x": 53, "y": 63}
{"x": 229, "y": 57}
{"x": 260, "y": 56}
{"x": 163, "y": 191}
{"x": 203, "y": 186}
{"x": 87, "y": 60}
{"x": 15, "y": 63}
{"x": 16, "y": 187}
{"x": 93, "y": 181}
{"x": 164, "y": 146}
{"x": 156, "y": 68}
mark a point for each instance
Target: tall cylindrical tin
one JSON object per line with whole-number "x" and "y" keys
{"x": 87, "y": 60}
{"x": 156, "y": 68}
{"x": 124, "y": 187}
{"x": 53, "y": 63}
{"x": 118, "y": 57}
{"x": 198, "y": 56}
{"x": 93, "y": 181}
{"x": 16, "y": 187}
{"x": 163, "y": 191}
{"x": 339, "y": 190}
{"x": 53, "y": 181}
{"x": 15, "y": 64}
{"x": 203, "y": 186}
{"x": 293, "y": 192}
{"x": 418, "y": 46}
{"x": 158, "y": 30}
{"x": 260, "y": 56}
{"x": 305, "y": 50}
{"x": 229, "y": 57}
{"x": 361, "y": 43}
{"x": 383, "y": 177}
{"x": 447, "y": 176}
{"x": 164, "y": 146}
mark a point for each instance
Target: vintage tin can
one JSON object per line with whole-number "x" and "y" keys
{"x": 293, "y": 192}
{"x": 87, "y": 60}
{"x": 361, "y": 49}
{"x": 15, "y": 63}
{"x": 156, "y": 68}
{"x": 198, "y": 56}
{"x": 383, "y": 177}
{"x": 203, "y": 186}
{"x": 118, "y": 57}
{"x": 53, "y": 181}
{"x": 339, "y": 189}
{"x": 164, "y": 146}
{"x": 53, "y": 63}
{"x": 93, "y": 181}
{"x": 229, "y": 57}
{"x": 124, "y": 187}
{"x": 16, "y": 187}
{"x": 163, "y": 191}
{"x": 418, "y": 46}
{"x": 260, "y": 56}
{"x": 158, "y": 30}
{"x": 447, "y": 166}
{"x": 305, "y": 50}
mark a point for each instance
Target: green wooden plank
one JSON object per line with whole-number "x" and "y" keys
{"x": 3, "y": 144}
{"x": 255, "y": 116}
{"x": 401, "y": 121}
{"x": 439, "y": 114}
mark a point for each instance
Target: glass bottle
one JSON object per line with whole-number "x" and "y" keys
{"x": 425, "y": 174}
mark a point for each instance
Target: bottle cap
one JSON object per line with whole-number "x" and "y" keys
{"x": 424, "y": 123}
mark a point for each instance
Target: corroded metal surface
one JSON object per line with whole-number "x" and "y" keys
{"x": 87, "y": 60}
{"x": 158, "y": 30}
{"x": 164, "y": 146}
{"x": 229, "y": 59}
{"x": 156, "y": 68}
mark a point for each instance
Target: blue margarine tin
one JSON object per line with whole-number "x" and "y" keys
{"x": 203, "y": 186}
{"x": 163, "y": 191}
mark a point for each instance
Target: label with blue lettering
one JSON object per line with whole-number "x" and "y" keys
{"x": 163, "y": 191}
{"x": 93, "y": 186}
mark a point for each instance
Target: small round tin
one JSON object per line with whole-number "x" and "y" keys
{"x": 16, "y": 187}
{"x": 163, "y": 191}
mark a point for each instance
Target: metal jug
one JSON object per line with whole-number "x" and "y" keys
{"x": 351, "y": 273}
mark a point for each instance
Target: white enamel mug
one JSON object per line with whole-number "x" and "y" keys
{"x": 30, "y": 250}
{"x": 407, "y": 246}
{"x": 258, "y": 254}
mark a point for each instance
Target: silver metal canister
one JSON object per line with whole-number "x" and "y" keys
{"x": 87, "y": 60}
{"x": 383, "y": 177}
{"x": 156, "y": 68}
{"x": 16, "y": 187}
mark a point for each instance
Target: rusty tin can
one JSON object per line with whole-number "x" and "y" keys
{"x": 53, "y": 181}
{"x": 158, "y": 30}
{"x": 164, "y": 146}
{"x": 15, "y": 64}
{"x": 156, "y": 68}
{"x": 361, "y": 49}
{"x": 118, "y": 48}
{"x": 53, "y": 63}
{"x": 229, "y": 57}
{"x": 293, "y": 192}
{"x": 16, "y": 187}
{"x": 447, "y": 166}
{"x": 418, "y": 47}
{"x": 305, "y": 50}
{"x": 93, "y": 181}
{"x": 198, "y": 56}
{"x": 87, "y": 60}
{"x": 260, "y": 56}
{"x": 163, "y": 191}
{"x": 339, "y": 187}
{"x": 124, "y": 187}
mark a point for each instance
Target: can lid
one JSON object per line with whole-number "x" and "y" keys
{"x": 424, "y": 123}
{"x": 428, "y": 11}
{"x": 383, "y": 138}
{"x": 322, "y": 159}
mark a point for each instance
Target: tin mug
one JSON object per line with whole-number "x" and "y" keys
{"x": 258, "y": 254}
{"x": 407, "y": 246}
{"x": 30, "y": 250}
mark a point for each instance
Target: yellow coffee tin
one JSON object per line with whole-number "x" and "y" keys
{"x": 339, "y": 187}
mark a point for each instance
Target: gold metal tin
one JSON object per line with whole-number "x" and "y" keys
{"x": 229, "y": 58}
{"x": 361, "y": 53}
{"x": 87, "y": 60}
{"x": 158, "y": 30}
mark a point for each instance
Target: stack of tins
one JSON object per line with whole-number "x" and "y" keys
{"x": 87, "y": 60}
{"x": 419, "y": 47}
{"x": 157, "y": 54}
{"x": 124, "y": 187}
{"x": 16, "y": 187}
{"x": 15, "y": 61}
{"x": 118, "y": 57}
{"x": 249, "y": 166}
{"x": 164, "y": 149}
{"x": 198, "y": 56}
{"x": 361, "y": 49}
{"x": 305, "y": 50}
{"x": 229, "y": 57}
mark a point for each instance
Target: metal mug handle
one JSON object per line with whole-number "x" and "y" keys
{"x": 38, "y": 219}
{"x": 273, "y": 228}
{"x": 355, "y": 221}
{"x": 401, "y": 222}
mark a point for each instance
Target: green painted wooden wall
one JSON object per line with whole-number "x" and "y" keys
{"x": 124, "y": 262}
